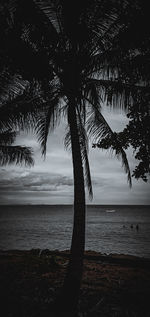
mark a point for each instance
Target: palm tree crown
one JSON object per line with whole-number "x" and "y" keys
{"x": 81, "y": 60}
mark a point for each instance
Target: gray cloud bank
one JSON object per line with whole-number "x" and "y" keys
{"x": 51, "y": 181}
{"x": 33, "y": 181}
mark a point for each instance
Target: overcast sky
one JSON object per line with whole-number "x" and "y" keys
{"x": 50, "y": 181}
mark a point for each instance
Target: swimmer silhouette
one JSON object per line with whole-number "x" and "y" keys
{"x": 137, "y": 227}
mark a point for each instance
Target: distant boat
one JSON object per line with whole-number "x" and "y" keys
{"x": 110, "y": 210}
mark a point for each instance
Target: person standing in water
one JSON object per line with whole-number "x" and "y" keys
{"x": 137, "y": 227}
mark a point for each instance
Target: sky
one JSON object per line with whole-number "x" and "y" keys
{"x": 50, "y": 181}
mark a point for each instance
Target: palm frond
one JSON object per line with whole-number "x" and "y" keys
{"x": 105, "y": 63}
{"x": 7, "y": 137}
{"x": 15, "y": 154}
{"x": 98, "y": 128}
{"x": 84, "y": 154}
{"x": 47, "y": 121}
{"x": 22, "y": 111}
{"x": 118, "y": 93}
{"x": 15, "y": 114}
{"x": 25, "y": 43}
{"x": 91, "y": 92}
{"x": 51, "y": 12}
{"x": 11, "y": 86}
{"x": 105, "y": 20}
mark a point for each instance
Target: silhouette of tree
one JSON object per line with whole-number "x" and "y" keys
{"x": 64, "y": 58}
{"x": 136, "y": 134}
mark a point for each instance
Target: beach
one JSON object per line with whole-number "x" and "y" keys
{"x": 114, "y": 285}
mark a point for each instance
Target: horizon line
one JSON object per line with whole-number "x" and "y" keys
{"x": 73, "y": 205}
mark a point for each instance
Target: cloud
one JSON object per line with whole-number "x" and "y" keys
{"x": 33, "y": 181}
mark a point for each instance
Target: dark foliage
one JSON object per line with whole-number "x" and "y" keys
{"x": 135, "y": 70}
{"x": 11, "y": 153}
{"x": 136, "y": 134}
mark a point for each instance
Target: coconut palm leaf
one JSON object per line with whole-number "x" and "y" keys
{"x": 84, "y": 153}
{"x": 50, "y": 11}
{"x": 115, "y": 64}
{"x": 18, "y": 114}
{"x": 15, "y": 154}
{"x": 24, "y": 43}
{"x": 24, "y": 109}
{"x": 7, "y": 137}
{"x": 117, "y": 92}
{"x": 11, "y": 86}
{"x": 101, "y": 130}
{"x": 98, "y": 128}
{"x": 47, "y": 122}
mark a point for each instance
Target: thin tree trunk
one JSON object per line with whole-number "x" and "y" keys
{"x": 70, "y": 293}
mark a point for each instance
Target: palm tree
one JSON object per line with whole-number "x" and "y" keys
{"x": 67, "y": 60}
{"x": 13, "y": 153}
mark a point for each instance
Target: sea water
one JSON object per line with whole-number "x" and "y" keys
{"x": 109, "y": 229}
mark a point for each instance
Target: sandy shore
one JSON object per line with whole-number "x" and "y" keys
{"x": 113, "y": 286}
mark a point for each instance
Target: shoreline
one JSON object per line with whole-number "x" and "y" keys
{"x": 121, "y": 259}
{"x": 71, "y": 205}
{"x": 112, "y": 285}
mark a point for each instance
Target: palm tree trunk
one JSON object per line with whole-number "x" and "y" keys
{"x": 70, "y": 291}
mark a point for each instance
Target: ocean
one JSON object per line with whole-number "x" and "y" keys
{"x": 109, "y": 229}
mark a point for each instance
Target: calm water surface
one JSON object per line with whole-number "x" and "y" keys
{"x": 108, "y": 228}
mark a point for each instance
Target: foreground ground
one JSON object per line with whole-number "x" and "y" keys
{"x": 113, "y": 286}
